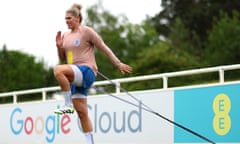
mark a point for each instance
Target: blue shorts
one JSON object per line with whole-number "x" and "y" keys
{"x": 88, "y": 79}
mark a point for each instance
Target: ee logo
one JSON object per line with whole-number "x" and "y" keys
{"x": 221, "y": 109}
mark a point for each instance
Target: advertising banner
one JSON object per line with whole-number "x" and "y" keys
{"x": 213, "y": 112}
{"x": 114, "y": 121}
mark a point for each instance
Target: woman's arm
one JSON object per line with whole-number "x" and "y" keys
{"x": 99, "y": 43}
{"x": 59, "y": 44}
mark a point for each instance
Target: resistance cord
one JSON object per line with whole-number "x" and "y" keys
{"x": 147, "y": 108}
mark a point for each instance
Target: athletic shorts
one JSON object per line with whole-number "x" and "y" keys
{"x": 82, "y": 81}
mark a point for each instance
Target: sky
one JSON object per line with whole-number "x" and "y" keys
{"x": 31, "y": 25}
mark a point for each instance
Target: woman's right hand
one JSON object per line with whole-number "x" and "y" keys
{"x": 59, "y": 41}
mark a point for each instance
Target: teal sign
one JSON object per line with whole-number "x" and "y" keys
{"x": 213, "y": 112}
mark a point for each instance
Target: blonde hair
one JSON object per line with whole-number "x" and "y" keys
{"x": 75, "y": 10}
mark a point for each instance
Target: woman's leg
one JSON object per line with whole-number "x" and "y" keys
{"x": 64, "y": 75}
{"x": 80, "y": 105}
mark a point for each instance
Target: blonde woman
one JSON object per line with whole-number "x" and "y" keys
{"x": 76, "y": 47}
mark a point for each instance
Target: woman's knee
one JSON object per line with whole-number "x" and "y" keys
{"x": 63, "y": 70}
{"x": 58, "y": 70}
{"x": 81, "y": 108}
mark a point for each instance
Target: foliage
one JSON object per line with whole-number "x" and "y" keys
{"x": 223, "y": 45}
{"x": 191, "y": 26}
{"x": 183, "y": 39}
{"x": 21, "y": 71}
{"x": 196, "y": 15}
{"x": 162, "y": 58}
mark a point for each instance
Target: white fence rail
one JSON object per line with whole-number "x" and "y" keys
{"x": 163, "y": 76}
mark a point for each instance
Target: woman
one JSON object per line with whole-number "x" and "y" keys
{"x": 76, "y": 47}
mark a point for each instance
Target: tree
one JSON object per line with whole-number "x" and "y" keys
{"x": 197, "y": 15}
{"x": 183, "y": 39}
{"x": 20, "y": 71}
{"x": 223, "y": 44}
{"x": 162, "y": 58}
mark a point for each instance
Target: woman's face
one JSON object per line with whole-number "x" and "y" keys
{"x": 71, "y": 21}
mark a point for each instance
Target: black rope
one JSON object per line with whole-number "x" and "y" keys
{"x": 147, "y": 108}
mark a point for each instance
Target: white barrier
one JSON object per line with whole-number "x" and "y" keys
{"x": 163, "y": 76}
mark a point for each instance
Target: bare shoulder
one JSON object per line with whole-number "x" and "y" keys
{"x": 87, "y": 29}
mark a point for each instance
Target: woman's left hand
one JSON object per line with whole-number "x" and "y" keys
{"x": 124, "y": 68}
